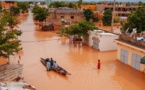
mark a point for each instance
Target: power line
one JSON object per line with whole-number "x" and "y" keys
{"x": 38, "y": 41}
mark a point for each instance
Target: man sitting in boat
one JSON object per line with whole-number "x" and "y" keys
{"x": 48, "y": 64}
{"x": 55, "y": 65}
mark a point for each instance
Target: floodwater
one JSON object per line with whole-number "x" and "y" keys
{"x": 79, "y": 60}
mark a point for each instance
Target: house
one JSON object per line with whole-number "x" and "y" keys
{"x": 101, "y": 40}
{"x": 130, "y": 51}
{"x": 69, "y": 14}
{"x": 92, "y": 7}
{"x": 121, "y": 10}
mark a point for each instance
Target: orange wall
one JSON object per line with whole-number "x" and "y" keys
{"x": 93, "y": 7}
{"x": 7, "y": 5}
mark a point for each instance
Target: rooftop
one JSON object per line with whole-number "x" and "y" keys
{"x": 134, "y": 40}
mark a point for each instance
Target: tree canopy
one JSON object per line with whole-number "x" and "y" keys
{"x": 88, "y": 13}
{"x": 80, "y": 3}
{"x": 80, "y": 29}
{"x": 136, "y": 20}
{"x": 9, "y": 44}
{"x": 14, "y": 10}
{"x": 107, "y": 17}
{"x": 58, "y": 4}
{"x": 23, "y": 6}
{"x": 40, "y": 13}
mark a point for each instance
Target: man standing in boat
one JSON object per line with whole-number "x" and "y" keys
{"x": 48, "y": 64}
{"x": 51, "y": 62}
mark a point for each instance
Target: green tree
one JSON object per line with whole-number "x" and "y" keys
{"x": 72, "y": 5}
{"x": 14, "y": 10}
{"x": 58, "y": 4}
{"x": 0, "y": 7}
{"x": 40, "y": 13}
{"x": 80, "y": 3}
{"x": 9, "y": 44}
{"x": 135, "y": 20}
{"x": 80, "y": 29}
{"x": 107, "y": 18}
{"x": 88, "y": 14}
{"x": 11, "y": 20}
{"x": 23, "y": 6}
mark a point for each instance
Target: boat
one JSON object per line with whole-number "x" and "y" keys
{"x": 59, "y": 69}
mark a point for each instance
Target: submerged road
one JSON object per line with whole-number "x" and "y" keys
{"x": 79, "y": 60}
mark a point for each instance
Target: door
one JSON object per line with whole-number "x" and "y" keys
{"x": 135, "y": 62}
{"x": 96, "y": 43}
{"x": 124, "y": 56}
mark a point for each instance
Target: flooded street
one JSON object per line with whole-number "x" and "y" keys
{"x": 79, "y": 60}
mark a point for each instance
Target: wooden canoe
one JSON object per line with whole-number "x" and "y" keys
{"x": 59, "y": 70}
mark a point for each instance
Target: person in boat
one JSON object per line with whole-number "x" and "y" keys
{"x": 46, "y": 60}
{"x": 48, "y": 64}
{"x": 51, "y": 62}
{"x": 55, "y": 65}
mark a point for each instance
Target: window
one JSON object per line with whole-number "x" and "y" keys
{"x": 72, "y": 17}
{"x": 61, "y": 16}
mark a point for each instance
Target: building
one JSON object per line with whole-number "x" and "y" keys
{"x": 122, "y": 10}
{"x": 99, "y": 38}
{"x": 92, "y": 7}
{"x": 69, "y": 14}
{"x": 130, "y": 51}
{"x": 8, "y": 4}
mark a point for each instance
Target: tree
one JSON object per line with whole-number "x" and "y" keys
{"x": 0, "y": 7}
{"x": 11, "y": 20}
{"x": 135, "y": 20}
{"x": 88, "y": 14}
{"x": 14, "y": 10}
{"x": 107, "y": 18}
{"x": 72, "y": 5}
{"x": 23, "y": 6}
{"x": 58, "y": 4}
{"x": 80, "y": 29}
{"x": 40, "y": 13}
{"x": 80, "y": 3}
{"x": 9, "y": 44}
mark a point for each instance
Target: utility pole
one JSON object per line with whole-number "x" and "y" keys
{"x": 112, "y": 23}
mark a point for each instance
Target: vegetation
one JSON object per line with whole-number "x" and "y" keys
{"x": 14, "y": 11}
{"x": 9, "y": 44}
{"x": 88, "y": 14}
{"x": 80, "y": 29}
{"x": 40, "y": 13}
{"x": 11, "y": 20}
{"x": 107, "y": 18}
{"x": 23, "y": 6}
{"x": 62, "y": 4}
{"x": 135, "y": 20}
{"x": 80, "y": 3}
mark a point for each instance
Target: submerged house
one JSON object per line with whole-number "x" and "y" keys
{"x": 69, "y": 14}
{"x": 131, "y": 51}
{"x": 101, "y": 40}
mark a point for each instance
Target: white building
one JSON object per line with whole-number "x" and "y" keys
{"x": 101, "y": 40}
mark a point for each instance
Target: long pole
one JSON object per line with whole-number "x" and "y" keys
{"x": 112, "y": 23}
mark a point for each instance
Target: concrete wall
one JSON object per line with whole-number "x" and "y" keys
{"x": 107, "y": 42}
{"x": 10, "y": 72}
{"x": 131, "y": 50}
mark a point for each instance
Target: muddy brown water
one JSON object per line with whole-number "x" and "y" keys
{"x": 79, "y": 60}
